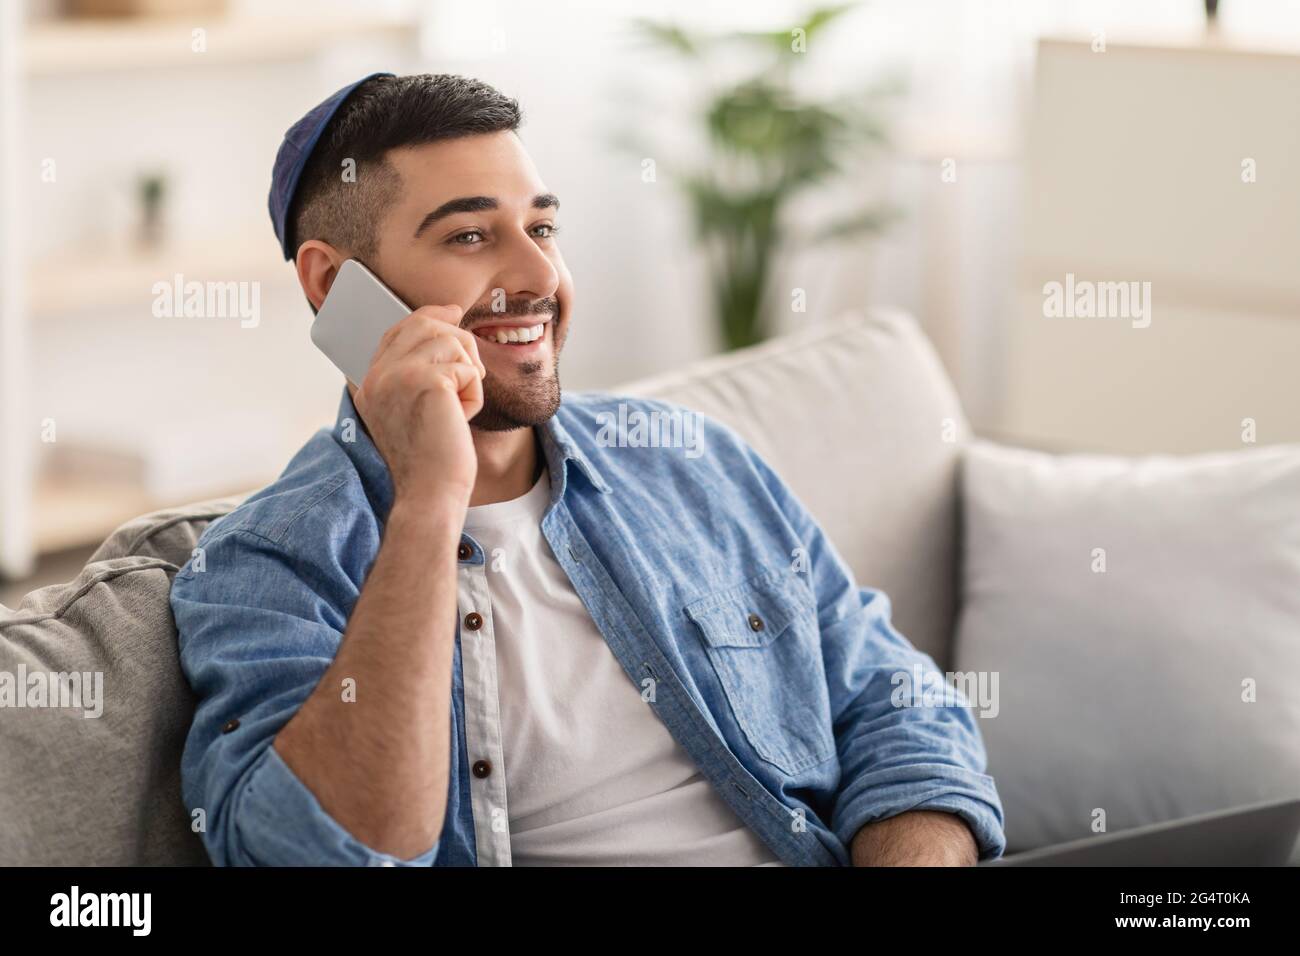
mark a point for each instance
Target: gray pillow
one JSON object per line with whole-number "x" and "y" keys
{"x": 1124, "y": 685}
{"x": 105, "y": 789}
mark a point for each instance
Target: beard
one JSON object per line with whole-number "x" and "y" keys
{"x": 521, "y": 405}
{"x": 532, "y": 398}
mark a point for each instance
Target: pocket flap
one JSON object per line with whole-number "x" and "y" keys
{"x": 752, "y": 614}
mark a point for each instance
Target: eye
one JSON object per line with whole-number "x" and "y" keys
{"x": 551, "y": 230}
{"x": 461, "y": 238}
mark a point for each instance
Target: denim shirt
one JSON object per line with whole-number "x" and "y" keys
{"x": 709, "y": 581}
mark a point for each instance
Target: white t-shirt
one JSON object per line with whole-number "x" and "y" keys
{"x": 592, "y": 776}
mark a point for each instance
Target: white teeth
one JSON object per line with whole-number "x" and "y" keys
{"x": 521, "y": 336}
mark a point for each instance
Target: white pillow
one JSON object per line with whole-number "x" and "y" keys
{"x": 1122, "y": 690}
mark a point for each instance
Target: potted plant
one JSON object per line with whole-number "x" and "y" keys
{"x": 766, "y": 144}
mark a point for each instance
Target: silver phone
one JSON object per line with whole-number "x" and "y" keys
{"x": 356, "y": 313}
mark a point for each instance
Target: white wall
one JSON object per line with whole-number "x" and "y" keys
{"x": 642, "y": 302}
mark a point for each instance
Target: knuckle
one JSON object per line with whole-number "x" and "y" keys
{"x": 467, "y": 338}
{"x": 438, "y": 313}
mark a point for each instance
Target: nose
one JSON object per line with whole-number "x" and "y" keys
{"x": 525, "y": 269}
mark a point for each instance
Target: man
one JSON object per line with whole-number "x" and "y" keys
{"x": 465, "y": 627}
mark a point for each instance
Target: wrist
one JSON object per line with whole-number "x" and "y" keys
{"x": 915, "y": 838}
{"x": 439, "y": 517}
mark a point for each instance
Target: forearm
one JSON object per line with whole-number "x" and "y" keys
{"x": 915, "y": 838}
{"x": 378, "y": 761}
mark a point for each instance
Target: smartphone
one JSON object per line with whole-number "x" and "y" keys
{"x": 356, "y": 313}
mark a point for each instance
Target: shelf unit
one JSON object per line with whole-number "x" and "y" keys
{"x": 72, "y": 47}
{"x": 39, "y": 515}
{"x": 16, "y": 484}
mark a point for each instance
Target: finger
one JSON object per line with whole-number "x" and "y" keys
{"x": 448, "y": 314}
{"x": 467, "y": 384}
{"x": 470, "y": 341}
{"x": 410, "y": 380}
{"x": 391, "y": 334}
{"x": 443, "y": 348}
{"x": 442, "y": 354}
{"x": 416, "y": 327}
{"x": 425, "y": 326}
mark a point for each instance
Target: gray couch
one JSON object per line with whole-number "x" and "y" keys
{"x": 107, "y": 790}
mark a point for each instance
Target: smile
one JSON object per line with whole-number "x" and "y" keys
{"x": 512, "y": 335}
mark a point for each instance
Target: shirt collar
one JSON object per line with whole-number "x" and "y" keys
{"x": 558, "y": 446}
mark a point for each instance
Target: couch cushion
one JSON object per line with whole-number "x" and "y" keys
{"x": 859, "y": 418}
{"x": 170, "y": 534}
{"x": 105, "y": 789}
{"x": 1129, "y": 608}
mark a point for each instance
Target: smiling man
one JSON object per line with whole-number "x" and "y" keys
{"x": 466, "y": 628}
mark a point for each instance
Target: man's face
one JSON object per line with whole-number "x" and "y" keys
{"x": 473, "y": 227}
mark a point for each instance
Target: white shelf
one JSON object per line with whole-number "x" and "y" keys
{"x": 1212, "y": 40}
{"x": 66, "y": 47}
{"x": 124, "y": 276}
{"x": 71, "y": 513}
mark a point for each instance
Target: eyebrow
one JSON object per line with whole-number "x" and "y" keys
{"x": 478, "y": 204}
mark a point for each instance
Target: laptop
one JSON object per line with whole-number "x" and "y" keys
{"x": 1260, "y": 834}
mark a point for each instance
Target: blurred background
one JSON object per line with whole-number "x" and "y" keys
{"x": 729, "y": 171}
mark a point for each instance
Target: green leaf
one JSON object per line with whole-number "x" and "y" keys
{"x": 767, "y": 140}
{"x": 869, "y": 220}
{"x": 668, "y": 35}
{"x": 781, "y": 41}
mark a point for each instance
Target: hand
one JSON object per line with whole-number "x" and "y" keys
{"x": 423, "y": 386}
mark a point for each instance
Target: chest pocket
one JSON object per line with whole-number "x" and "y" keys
{"x": 763, "y": 641}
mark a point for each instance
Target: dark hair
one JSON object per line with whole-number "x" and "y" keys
{"x": 385, "y": 113}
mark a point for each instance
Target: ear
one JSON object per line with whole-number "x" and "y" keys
{"x": 317, "y": 264}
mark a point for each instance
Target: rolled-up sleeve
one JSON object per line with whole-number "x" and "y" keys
{"x": 892, "y": 758}
{"x": 899, "y": 758}
{"x": 257, "y": 629}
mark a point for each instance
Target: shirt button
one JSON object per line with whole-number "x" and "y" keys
{"x": 482, "y": 768}
{"x": 473, "y": 620}
{"x": 464, "y": 552}
{"x": 231, "y": 724}
{"x": 755, "y": 622}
